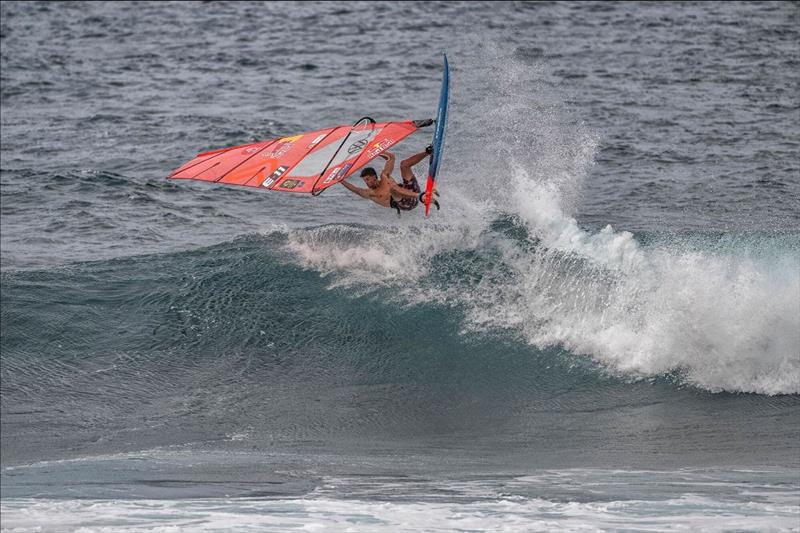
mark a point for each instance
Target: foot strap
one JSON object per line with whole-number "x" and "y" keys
{"x": 434, "y": 201}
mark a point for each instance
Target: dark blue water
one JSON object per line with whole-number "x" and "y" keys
{"x": 601, "y": 327}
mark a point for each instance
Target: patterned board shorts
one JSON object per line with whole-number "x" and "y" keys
{"x": 407, "y": 204}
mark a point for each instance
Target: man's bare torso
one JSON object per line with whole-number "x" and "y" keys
{"x": 382, "y": 194}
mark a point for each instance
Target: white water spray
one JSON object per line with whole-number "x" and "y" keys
{"x": 725, "y": 319}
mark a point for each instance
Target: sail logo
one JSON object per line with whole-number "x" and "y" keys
{"x": 279, "y": 150}
{"x": 281, "y": 147}
{"x": 292, "y": 184}
{"x": 357, "y": 146}
{"x": 251, "y": 150}
{"x": 275, "y": 176}
{"x": 337, "y": 173}
{"x": 379, "y": 147}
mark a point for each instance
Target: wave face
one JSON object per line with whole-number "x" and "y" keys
{"x": 507, "y": 345}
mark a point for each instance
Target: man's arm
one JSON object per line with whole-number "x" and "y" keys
{"x": 364, "y": 193}
{"x": 386, "y": 173}
{"x": 400, "y": 191}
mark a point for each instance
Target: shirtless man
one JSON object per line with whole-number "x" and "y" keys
{"x": 385, "y": 190}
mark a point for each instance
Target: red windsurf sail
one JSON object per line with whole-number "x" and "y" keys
{"x": 305, "y": 163}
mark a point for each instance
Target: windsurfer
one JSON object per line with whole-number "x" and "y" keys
{"x": 385, "y": 191}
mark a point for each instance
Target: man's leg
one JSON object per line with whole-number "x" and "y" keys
{"x": 408, "y": 174}
{"x": 406, "y": 164}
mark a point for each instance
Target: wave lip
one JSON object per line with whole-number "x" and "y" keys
{"x": 723, "y": 314}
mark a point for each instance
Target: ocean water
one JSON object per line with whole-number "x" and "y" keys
{"x": 599, "y": 331}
